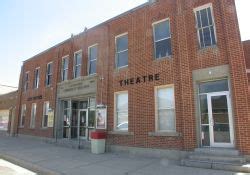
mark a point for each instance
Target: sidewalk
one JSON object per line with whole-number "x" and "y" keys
{"x": 50, "y": 159}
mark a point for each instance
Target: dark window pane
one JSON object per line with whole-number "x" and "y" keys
{"x": 201, "y": 38}
{"x": 204, "y": 18}
{"x": 162, "y": 30}
{"x": 212, "y": 35}
{"x": 209, "y": 16}
{"x": 207, "y": 37}
{"x": 163, "y": 48}
{"x": 205, "y": 136}
{"x": 45, "y": 122}
{"x": 78, "y": 59}
{"x": 198, "y": 19}
{"x": 122, "y": 43}
{"x": 213, "y": 86}
{"x": 93, "y": 53}
{"x": 77, "y": 71}
{"x": 92, "y": 67}
{"x": 122, "y": 59}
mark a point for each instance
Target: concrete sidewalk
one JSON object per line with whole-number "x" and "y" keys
{"x": 50, "y": 159}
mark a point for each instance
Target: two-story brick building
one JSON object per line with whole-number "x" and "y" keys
{"x": 171, "y": 75}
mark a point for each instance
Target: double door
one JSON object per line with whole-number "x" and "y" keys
{"x": 216, "y": 120}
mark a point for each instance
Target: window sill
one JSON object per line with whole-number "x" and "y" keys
{"x": 44, "y": 128}
{"x": 164, "y": 134}
{"x": 204, "y": 49}
{"x": 164, "y": 58}
{"x": 21, "y": 127}
{"x": 123, "y": 68}
{"x": 126, "y": 133}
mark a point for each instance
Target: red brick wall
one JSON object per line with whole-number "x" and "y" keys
{"x": 176, "y": 70}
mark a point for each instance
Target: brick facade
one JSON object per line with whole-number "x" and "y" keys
{"x": 176, "y": 70}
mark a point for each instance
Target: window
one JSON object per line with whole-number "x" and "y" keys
{"x": 162, "y": 39}
{"x": 26, "y": 81}
{"x": 23, "y": 114}
{"x": 92, "y": 59}
{"x": 33, "y": 116}
{"x": 45, "y": 114}
{"x": 65, "y": 67}
{"x": 77, "y": 64}
{"x": 205, "y": 26}
{"x": 37, "y": 77}
{"x": 122, "y": 51}
{"x": 49, "y": 74}
{"x": 165, "y": 108}
{"x": 121, "y": 111}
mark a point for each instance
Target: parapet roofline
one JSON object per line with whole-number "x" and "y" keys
{"x": 81, "y": 33}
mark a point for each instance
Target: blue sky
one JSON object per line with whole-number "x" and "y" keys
{"x": 29, "y": 26}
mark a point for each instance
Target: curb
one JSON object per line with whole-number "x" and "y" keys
{"x": 30, "y": 166}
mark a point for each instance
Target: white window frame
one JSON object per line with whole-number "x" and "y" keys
{"x": 37, "y": 78}
{"x": 116, "y": 53}
{"x": 62, "y": 68}
{"x": 44, "y": 113}
{"x": 115, "y": 110}
{"x": 153, "y": 25}
{"x": 80, "y": 65}
{"x": 47, "y": 74}
{"x": 33, "y": 117}
{"x": 157, "y": 109}
{"x": 209, "y": 5}
{"x": 89, "y": 61}
{"x": 26, "y": 82}
{"x": 23, "y": 115}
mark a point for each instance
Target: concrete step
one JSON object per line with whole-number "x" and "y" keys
{"x": 74, "y": 144}
{"x": 244, "y": 168}
{"x": 213, "y": 158}
{"x": 217, "y": 151}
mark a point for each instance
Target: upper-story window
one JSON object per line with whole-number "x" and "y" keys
{"x": 205, "y": 26}
{"x": 26, "y": 81}
{"x": 93, "y": 50}
{"x": 49, "y": 74}
{"x": 77, "y": 64}
{"x": 65, "y": 67}
{"x": 36, "y": 77}
{"x": 122, "y": 51}
{"x": 162, "y": 39}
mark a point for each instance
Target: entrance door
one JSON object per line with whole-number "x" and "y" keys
{"x": 220, "y": 119}
{"x": 82, "y": 124}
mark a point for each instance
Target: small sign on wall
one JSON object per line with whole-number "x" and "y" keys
{"x": 101, "y": 117}
{"x": 51, "y": 118}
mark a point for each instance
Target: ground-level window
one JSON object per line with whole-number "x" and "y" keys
{"x": 165, "y": 109}
{"x": 162, "y": 39}
{"x": 23, "y": 114}
{"x": 45, "y": 114}
{"x": 121, "y": 111}
{"x": 33, "y": 116}
{"x": 66, "y": 119}
{"x": 205, "y": 26}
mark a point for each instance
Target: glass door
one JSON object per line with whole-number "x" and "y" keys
{"x": 220, "y": 119}
{"x": 83, "y": 124}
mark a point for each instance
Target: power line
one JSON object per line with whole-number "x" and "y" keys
{"x": 7, "y": 86}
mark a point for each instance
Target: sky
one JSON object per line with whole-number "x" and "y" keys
{"x": 29, "y": 27}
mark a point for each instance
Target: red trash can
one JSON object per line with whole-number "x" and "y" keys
{"x": 98, "y": 139}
